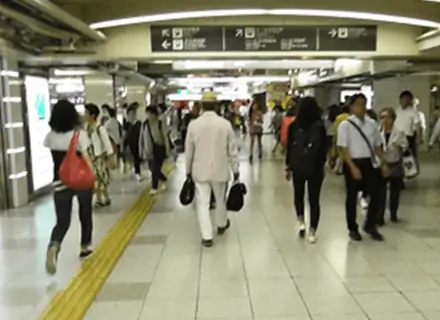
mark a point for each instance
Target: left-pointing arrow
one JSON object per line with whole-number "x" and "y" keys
{"x": 166, "y": 44}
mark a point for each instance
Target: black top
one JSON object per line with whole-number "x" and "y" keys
{"x": 321, "y": 158}
{"x": 387, "y": 137}
{"x": 133, "y": 131}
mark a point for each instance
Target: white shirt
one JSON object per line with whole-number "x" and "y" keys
{"x": 408, "y": 120}
{"x": 114, "y": 130}
{"x": 60, "y": 141}
{"x": 101, "y": 142}
{"x": 211, "y": 149}
{"x": 350, "y": 138}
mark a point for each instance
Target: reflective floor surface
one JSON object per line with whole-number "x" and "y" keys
{"x": 25, "y": 288}
{"x": 261, "y": 270}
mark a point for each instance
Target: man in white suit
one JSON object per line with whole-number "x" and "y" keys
{"x": 211, "y": 155}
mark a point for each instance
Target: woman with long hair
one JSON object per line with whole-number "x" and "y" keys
{"x": 305, "y": 161}
{"x": 255, "y": 130}
{"x": 64, "y": 122}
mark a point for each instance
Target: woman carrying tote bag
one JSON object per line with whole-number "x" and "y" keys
{"x": 65, "y": 133}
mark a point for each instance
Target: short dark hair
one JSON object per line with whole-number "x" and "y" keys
{"x": 64, "y": 117}
{"x": 355, "y": 97}
{"x": 406, "y": 93}
{"x": 209, "y": 105}
{"x": 92, "y": 109}
{"x": 105, "y": 106}
{"x": 308, "y": 111}
{"x": 111, "y": 112}
{"x": 132, "y": 107}
{"x": 152, "y": 109}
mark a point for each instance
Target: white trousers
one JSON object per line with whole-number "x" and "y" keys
{"x": 202, "y": 197}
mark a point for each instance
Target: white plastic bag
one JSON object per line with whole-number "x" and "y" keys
{"x": 410, "y": 166}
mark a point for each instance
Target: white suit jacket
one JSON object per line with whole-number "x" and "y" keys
{"x": 211, "y": 149}
{"x": 396, "y": 146}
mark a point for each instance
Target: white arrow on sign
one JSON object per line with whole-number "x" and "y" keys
{"x": 166, "y": 44}
{"x": 333, "y": 33}
{"x": 239, "y": 33}
{"x": 166, "y": 33}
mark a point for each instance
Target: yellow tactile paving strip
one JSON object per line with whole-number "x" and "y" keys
{"x": 73, "y": 302}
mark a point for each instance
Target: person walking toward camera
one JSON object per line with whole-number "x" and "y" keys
{"x": 211, "y": 154}
{"x": 361, "y": 145}
{"x": 306, "y": 156}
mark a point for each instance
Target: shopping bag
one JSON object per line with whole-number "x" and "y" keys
{"x": 75, "y": 172}
{"x": 188, "y": 191}
{"x": 339, "y": 166}
{"x": 410, "y": 166}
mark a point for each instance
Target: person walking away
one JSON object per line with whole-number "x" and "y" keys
{"x": 409, "y": 121}
{"x": 101, "y": 155}
{"x": 132, "y": 133}
{"x": 361, "y": 146}
{"x": 211, "y": 154}
{"x": 305, "y": 161}
{"x": 64, "y": 121}
{"x": 277, "y": 119}
{"x": 190, "y": 116}
{"x": 115, "y": 132}
{"x": 255, "y": 130}
{"x": 395, "y": 144}
{"x": 335, "y": 153}
{"x": 154, "y": 146}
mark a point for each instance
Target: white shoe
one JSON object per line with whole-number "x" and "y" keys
{"x": 301, "y": 229}
{"x": 163, "y": 187}
{"x": 364, "y": 203}
{"x": 153, "y": 192}
{"x": 138, "y": 178}
{"x": 312, "y": 236}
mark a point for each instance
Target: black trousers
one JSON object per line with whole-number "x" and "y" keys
{"x": 137, "y": 161}
{"x": 314, "y": 185}
{"x": 412, "y": 141}
{"x": 155, "y": 164}
{"x": 371, "y": 183}
{"x": 395, "y": 184}
{"x": 63, "y": 200}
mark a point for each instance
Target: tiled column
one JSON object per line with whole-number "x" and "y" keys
{"x": 13, "y": 135}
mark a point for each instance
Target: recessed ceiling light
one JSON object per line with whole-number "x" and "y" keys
{"x": 378, "y": 17}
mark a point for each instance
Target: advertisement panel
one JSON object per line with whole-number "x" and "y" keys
{"x": 38, "y": 104}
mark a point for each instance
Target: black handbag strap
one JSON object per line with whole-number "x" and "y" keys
{"x": 370, "y": 147}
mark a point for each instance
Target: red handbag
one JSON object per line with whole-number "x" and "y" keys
{"x": 75, "y": 172}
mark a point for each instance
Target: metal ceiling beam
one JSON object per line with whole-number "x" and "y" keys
{"x": 60, "y": 15}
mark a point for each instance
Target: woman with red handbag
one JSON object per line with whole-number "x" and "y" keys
{"x": 73, "y": 176}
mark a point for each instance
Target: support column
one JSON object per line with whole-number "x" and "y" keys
{"x": 99, "y": 89}
{"x": 13, "y": 137}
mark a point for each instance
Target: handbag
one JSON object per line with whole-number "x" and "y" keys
{"x": 410, "y": 167}
{"x": 235, "y": 199}
{"x": 188, "y": 191}
{"x": 75, "y": 172}
{"x": 374, "y": 160}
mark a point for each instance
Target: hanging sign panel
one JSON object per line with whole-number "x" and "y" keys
{"x": 263, "y": 38}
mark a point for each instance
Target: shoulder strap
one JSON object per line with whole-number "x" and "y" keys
{"x": 373, "y": 154}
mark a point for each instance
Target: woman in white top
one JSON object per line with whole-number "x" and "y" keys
{"x": 394, "y": 145}
{"x": 101, "y": 154}
{"x": 64, "y": 121}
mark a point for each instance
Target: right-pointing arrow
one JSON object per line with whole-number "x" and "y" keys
{"x": 166, "y": 44}
{"x": 238, "y": 33}
{"x": 333, "y": 33}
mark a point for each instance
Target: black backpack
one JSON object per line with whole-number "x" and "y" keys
{"x": 305, "y": 149}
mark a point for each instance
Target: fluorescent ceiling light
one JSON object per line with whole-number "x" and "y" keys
{"x": 253, "y": 64}
{"x": 71, "y": 73}
{"x": 207, "y": 81}
{"x": 257, "y": 12}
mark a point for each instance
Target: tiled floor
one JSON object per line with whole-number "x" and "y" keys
{"x": 261, "y": 270}
{"x": 25, "y": 288}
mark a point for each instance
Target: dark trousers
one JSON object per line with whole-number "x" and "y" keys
{"x": 159, "y": 155}
{"x": 314, "y": 184}
{"x": 412, "y": 141}
{"x": 137, "y": 161}
{"x": 395, "y": 184}
{"x": 63, "y": 200}
{"x": 371, "y": 183}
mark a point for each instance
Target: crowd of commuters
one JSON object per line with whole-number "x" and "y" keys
{"x": 367, "y": 148}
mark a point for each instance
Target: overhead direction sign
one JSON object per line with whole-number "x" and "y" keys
{"x": 263, "y": 38}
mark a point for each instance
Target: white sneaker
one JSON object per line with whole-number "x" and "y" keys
{"x": 138, "y": 178}
{"x": 163, "y": 187}
{"x": 301, "y": 229}
{"x": 153, "y": 192}
{"x": 312, "y": 236}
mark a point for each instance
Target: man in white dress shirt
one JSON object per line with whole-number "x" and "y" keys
{"x": 360, "y": 142}
{"x": 211, "y": 155}
{"x": 408, "y": 120}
